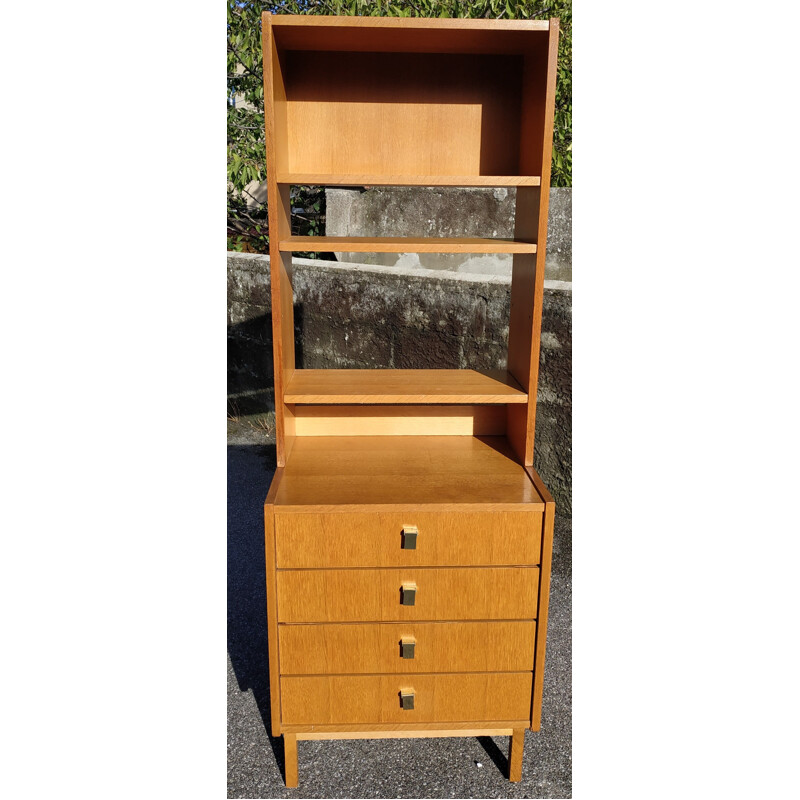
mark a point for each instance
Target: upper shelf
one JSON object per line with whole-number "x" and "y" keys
{"x": 467, "y": 181}
{"x": 402, "y": 244}
{"x": 388, "y": 386}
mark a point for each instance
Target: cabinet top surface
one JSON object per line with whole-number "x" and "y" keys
{"x": 329, "y": 473}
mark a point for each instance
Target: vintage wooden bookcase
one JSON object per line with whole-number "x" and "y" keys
{"x": 408, "y": 537}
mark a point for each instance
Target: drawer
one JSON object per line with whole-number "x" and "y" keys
{"x": 375, "y": 539}
{"x": 437, "y": 647}
{"x": 348, "y": 699}
{"x": 376, "y": 595}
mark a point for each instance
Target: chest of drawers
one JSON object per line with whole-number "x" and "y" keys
{"x": 393, "y": 613}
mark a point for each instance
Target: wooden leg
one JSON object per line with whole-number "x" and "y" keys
{"x": 290, "y": 759}
{"x": 515, "y": 754}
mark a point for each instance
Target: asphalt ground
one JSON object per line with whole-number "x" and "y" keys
{"x": 459, "y": 767}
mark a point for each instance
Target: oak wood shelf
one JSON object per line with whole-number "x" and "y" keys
{"x": 466, "y": 181}
{"x": 402, "y": 244}
{"x": 389, "y": 386}
{"x": 405, "y": 519}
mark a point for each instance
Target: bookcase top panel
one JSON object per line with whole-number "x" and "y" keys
{"x": 411, "y": 35}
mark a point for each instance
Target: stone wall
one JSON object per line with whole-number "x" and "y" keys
{"x": 424, "y": 211}
{"x": 359, "y": 316}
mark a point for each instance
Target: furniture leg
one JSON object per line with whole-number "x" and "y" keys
{"x": 515, "y": 755}
{"x": 290, "y": 759}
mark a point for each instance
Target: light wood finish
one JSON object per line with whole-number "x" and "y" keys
{"x": 361, "y": 539}
{"x": 403, "y": 244}
{"x": 272, "y": 604}
{"x": 544, "y": 597}
{"x": 373, "y": 595}
{"x": 401, "y": 729}
{"x": 375, "y": 648}
{"x": 430, "y": 733}
{"x": 399, "y": 420}
{"x": 290, "y": 757}
{"x": 348, "y": 386}
{"x": 279, "y": 212}
{"x": 407, "y": 34}
{"x": 527, "y": 279}
{"x": 379, "y": 113}
{"x": 397, "y": 473}
{"x": 349, "y": 699}
{"x": 372, "y": 101}
{"x": 516, "y": 746}
{"x": 388, "y": 179}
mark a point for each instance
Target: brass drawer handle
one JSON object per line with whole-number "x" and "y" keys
{"x": 410, "y": 537}
{"x": 407, "y": 644}
{"x": 407, "y": 699}
{"x": 408, "y": 593}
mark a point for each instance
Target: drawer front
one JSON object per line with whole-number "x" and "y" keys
{"x": 348, "y": 699}
{"x": 437, "y": 647}
{"x": 374, "y": 539}
{"x": 376, "y": 595}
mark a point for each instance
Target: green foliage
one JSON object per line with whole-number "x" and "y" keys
{"x": 247, "y": 223}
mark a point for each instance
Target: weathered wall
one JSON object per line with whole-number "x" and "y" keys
{"x": 424, "y": 211}
{"x": 357, "y": 316}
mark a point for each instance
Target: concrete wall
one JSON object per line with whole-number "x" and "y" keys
{"x": 424, "y": 211}
{"x": 360, "y": 316}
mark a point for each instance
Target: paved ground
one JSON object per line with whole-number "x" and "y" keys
{"x": 371, "y": 768}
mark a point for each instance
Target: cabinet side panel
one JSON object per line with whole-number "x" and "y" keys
{"x": 544, "y": 599}
{"x": 272, "y": 607}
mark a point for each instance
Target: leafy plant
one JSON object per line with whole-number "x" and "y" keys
{"x": 247, "y": 211}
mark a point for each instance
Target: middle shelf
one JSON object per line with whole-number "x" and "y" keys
{"x": 402, "y": 244}
{"x": 388, "y": 386}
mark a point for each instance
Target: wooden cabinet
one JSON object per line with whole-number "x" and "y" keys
{"x": 408, "y": 537}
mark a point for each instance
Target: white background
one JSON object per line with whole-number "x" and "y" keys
{"x": 113, "y": 567}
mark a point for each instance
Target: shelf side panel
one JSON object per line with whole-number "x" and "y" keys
{"x": 532, "y": 204}
{"x": 279, "y": 213}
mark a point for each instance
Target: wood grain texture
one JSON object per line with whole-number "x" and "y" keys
{"x": 398, "y": 473}
{"x": 516, "y": 746}
{"x": 457, "y": 539}
{"x": 527, "y": 280}
{"x": 387, "y": 386}
{"x": 290, "y": 759}
{"x": 375, "y": 647}
{"x": 400, "y": 728}
{"x": 374, "y": 595}
{"x": 407, "y": 734}
{"x": 376, "y": 698}
{"x": 543, "y": 598}
{"x": 408, "y": 35}
{"x": 391, "y": 179}
{"x": 403, "y": 244}
{"x": 272, "y": 604}
{"x": 279, "y": 215}
{"x": 399, "y": 420}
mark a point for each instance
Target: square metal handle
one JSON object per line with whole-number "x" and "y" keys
{"x": 407, "y": 645}
{"x": 408, "y": 593}
{"x": 407, "y": 699}
{"x": 410, "y": 533}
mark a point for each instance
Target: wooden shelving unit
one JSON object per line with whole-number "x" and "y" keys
{"x": 408, "y": 537}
